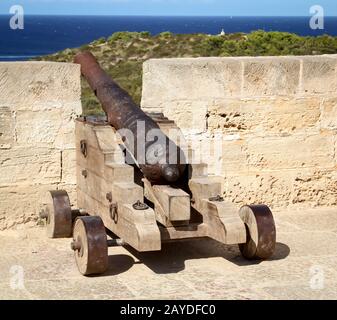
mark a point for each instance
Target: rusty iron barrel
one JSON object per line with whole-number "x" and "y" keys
{"x": 160, "y": 160}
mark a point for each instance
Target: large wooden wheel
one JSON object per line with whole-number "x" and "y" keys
{"x": 261, "y": 232}
{"x": 90, "y": 245}
{"x": 56, "y": 210}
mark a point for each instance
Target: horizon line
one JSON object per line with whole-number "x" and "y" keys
{"x": 170, "y": 16}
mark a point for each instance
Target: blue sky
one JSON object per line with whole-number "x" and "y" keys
{"x": 172, "y": 7}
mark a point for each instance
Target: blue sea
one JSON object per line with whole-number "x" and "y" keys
{"x": 48, "y": 34}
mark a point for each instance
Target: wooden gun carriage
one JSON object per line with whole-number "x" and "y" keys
{"x": 118, "y": 197}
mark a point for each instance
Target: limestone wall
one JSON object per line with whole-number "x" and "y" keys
{"x": 277, "y": 117}
{"x": 38, "y": 104}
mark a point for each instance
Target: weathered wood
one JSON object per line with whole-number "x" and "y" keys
{"x": 138, "y": 228}
{"x": 163, "y": 207}
{"x": 222, "y": 219}
{"x": 90, "y": 245}
{"x": 106, "y": 188}
{"x": 260, "y": 223}
{"x": 184, "y": 232}
{"x": 104, "y": 160}
{"x": 98, "y": 136}
{"x": 175, "y": 202}
{"x": 99, "y": 188}
{"x": 203, "y": 188}
{"x": 161, "y": 217}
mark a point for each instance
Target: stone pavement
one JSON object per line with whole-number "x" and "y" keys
{"x": 303, "y": 267}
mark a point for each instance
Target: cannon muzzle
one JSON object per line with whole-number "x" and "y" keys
{"x": 159, "y": 159}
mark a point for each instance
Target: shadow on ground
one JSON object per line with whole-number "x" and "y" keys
{"x": 172, "y": 257}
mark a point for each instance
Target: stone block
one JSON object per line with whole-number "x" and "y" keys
{"x": 319, "y": 75}
{"x": 20, "y": 204}
{"x": 68, "y": 166}
{"x": 329, "y": 114}
{"x": 273, "y": 189}
{"x": 292, "y": 151}
{"x": 189, "y": 116}
{"x": 264, "y": 116}
{"x": 39, "y": 103}
{"x": 26, "y": 165}
{"x": 288, "y": 188}
{"x": 6, "y": 128}
{"x": 271, "y": 76}
{"x": 30, "y": 83}
{"x": 201, "y": 78}
{"x": 217, "y": 152}
{"x": 38, "y": 127}
{"x": 234, "y": 157}
{"x": 65, "y": 138}
{"x": 315, "y": 188}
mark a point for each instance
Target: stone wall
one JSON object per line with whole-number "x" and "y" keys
{"x": 38, "y": 104}
{"x": 277, "y": 117}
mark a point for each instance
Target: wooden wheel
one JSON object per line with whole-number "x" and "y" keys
{"x": 90, "y": 245}
{"x": 56, "y": 210}
{"x": 261, "y": 232}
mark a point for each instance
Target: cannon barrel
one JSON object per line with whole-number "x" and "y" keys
{"x": 159, "y": 159}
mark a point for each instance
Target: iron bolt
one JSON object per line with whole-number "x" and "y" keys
{"x": 43, "y": 214}
{"x": 84, "y": 173}
{"x": 75, "y": 245}
{"x": 109, "y": 196}
{"x": 218, "y": 198}
{"x": 140, "y": 206}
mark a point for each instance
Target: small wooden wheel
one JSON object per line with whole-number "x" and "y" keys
{"x": 56, "y": 210}
{"x": 261, "y": 232}
{"x": 90, "y": 245}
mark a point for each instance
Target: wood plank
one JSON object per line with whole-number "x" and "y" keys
{"x": 161, "y": 215}
{"x": 96, "y": 162}
{"x": 221, "y": 217}
{"x": 224, "y": 222}
{"x": 203, "y": 188}
{"x": 98, "y": 187}
{"x": 186, "y": 232}
{"x": 197, "y": 170}
{"x": 110, "y": 166}
{"x": 175, "y": 202}
{"x": 159, "y": 211}
{"x": 127, "y": 193}
{"x": 103, "y": 138}
{"x": 108, "y": 139}
{"x": 137, "y": 228}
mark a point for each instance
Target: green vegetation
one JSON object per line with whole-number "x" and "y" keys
{"x": 123, "y": 53}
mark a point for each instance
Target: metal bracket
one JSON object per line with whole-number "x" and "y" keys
{"x": 218, "y": 198}
{"x": 113, "y": 212}
{"x": 84, "y": 149}
{"x": 140, "y": 206}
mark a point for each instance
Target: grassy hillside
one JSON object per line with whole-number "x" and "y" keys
{"x": 122, "y": 54}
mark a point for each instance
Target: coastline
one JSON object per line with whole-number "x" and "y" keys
{"x": 48, "y": 34}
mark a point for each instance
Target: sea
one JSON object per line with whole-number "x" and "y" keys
{"x": 44, "y": 35}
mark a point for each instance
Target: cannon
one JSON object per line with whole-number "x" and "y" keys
{"x": 144, "y": 204}
{"x": 155, "y": 159}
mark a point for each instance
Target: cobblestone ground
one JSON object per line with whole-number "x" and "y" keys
{"x": 303, "y": 267}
